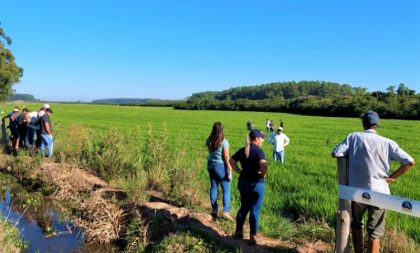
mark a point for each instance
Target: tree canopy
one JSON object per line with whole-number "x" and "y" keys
{"x": 310, "y": 97}
{"x": 10, "y": 73}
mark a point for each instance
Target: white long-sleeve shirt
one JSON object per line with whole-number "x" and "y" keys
{"x": 279, "y": 141}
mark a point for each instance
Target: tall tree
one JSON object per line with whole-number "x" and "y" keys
{"x": 10, "y": 73}
{"x": 391, "y": 90}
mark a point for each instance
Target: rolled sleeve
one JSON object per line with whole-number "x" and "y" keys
{"x": 398, "y": 154}
{"x": 342, "y": 149}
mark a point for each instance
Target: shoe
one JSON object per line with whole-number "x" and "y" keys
{"x": 253, "y": 240}
{"x": 227, "y": 216}
{"x": 214, "y": 215}
{"x": 238, "y": 235}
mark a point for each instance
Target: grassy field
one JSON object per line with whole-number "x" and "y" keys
{"x": 304, "y": 186}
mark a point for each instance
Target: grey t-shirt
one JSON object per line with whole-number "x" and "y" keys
{"x": 45, "y": 119}
{"x": 370, "y": 158}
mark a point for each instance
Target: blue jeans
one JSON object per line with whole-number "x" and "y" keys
{"x": 47, "y": 140}
{"x": 252, "y": 195}
{"x": 278, "y": 156}
{"x": 219, "y": 175}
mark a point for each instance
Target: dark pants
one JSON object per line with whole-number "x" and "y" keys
{"x": 252, "y": 195}
{"x": 31, "y": 136}
{"x": 23, "y": 133}
{"x": 375, "y": 222}
{"x": 38, "y": 138}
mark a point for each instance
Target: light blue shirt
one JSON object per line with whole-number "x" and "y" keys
{"x": 370, "y": 158}
{"x": 217, "y": 155}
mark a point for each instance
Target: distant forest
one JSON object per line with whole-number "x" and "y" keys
{"x": 24, "y": 97}
{"x": 312, "y": 98}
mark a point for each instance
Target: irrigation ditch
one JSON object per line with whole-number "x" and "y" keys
{"x": 80, "y": 210}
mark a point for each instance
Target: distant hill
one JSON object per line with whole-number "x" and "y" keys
{"x": 22, "y": 97}
{"x": 121, "y": 100}
{"x": 137, "y": 101}
{"x": 310, "y": 97}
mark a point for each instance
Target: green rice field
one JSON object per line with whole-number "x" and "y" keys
{"x": 305, "y": 185}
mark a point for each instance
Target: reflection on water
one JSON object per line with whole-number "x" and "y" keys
{"x": 41, "y": 225}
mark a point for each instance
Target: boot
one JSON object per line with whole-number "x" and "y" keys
{"x": 357, "y": 235}
{"x": 373, "y": 246}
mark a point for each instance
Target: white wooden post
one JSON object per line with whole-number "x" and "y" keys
{"x": 342, "y": 232}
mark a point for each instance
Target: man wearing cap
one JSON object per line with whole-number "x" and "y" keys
{"x": 250, "y": 183}
{"x": 13, "y": 126}
{"x": 369, "y": 162}
{"x": 280, "y": 141}
{"x": 46, "y": 133}
{"x": 41, "y": 113}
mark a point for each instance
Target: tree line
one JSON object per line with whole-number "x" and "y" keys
{"x": 24, "y": 97}
{"x": 312, "y": 98}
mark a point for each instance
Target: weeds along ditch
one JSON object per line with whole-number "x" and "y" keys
{"x": 139, "y": 148}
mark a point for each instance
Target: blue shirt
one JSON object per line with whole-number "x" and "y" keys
{"x": 251, "y": 165}
{"x": 370, "y": 158}
{"x": 217, "y": 155}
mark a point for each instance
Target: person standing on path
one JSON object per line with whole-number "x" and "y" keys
{"x": 46, "y": 133}
{"x": 219, "y": 169}
{"x": 250, "y": 183}
{"x": 369, "y": 163}
{"x": 280, "y": 141}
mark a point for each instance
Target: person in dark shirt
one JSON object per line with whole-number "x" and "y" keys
{"x": 250, "y": 183}
{"x": 249, "y": 125}
{"x": 13, "y": 126}
{"x": 46, "y": 133}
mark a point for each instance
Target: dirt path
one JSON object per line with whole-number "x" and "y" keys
{"x": 205, "y": 224}
{"x": 104, "y": 220}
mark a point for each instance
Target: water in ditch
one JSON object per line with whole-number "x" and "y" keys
{"x": 42, "y": 226}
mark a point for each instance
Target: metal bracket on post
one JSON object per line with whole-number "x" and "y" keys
{"x": 342, "y": 231}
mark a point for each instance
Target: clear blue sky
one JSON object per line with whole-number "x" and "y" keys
{"x": 90, "y": 49}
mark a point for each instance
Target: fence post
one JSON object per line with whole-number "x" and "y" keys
{"x": 342, "y": 231}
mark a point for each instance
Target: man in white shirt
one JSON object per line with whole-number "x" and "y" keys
{"x": 280, "y": 141}
{"x": 369, "y": 156}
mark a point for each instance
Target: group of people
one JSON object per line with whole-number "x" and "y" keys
{"x": 270, "y": 125}
{"x": 30, "y": 130}
{"x": 252, "y": 170}
{"x": 369, "y": 161}
{"x": 277, "y": 138}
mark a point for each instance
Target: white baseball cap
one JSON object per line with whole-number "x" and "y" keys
{"x": 46, "y": 106}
